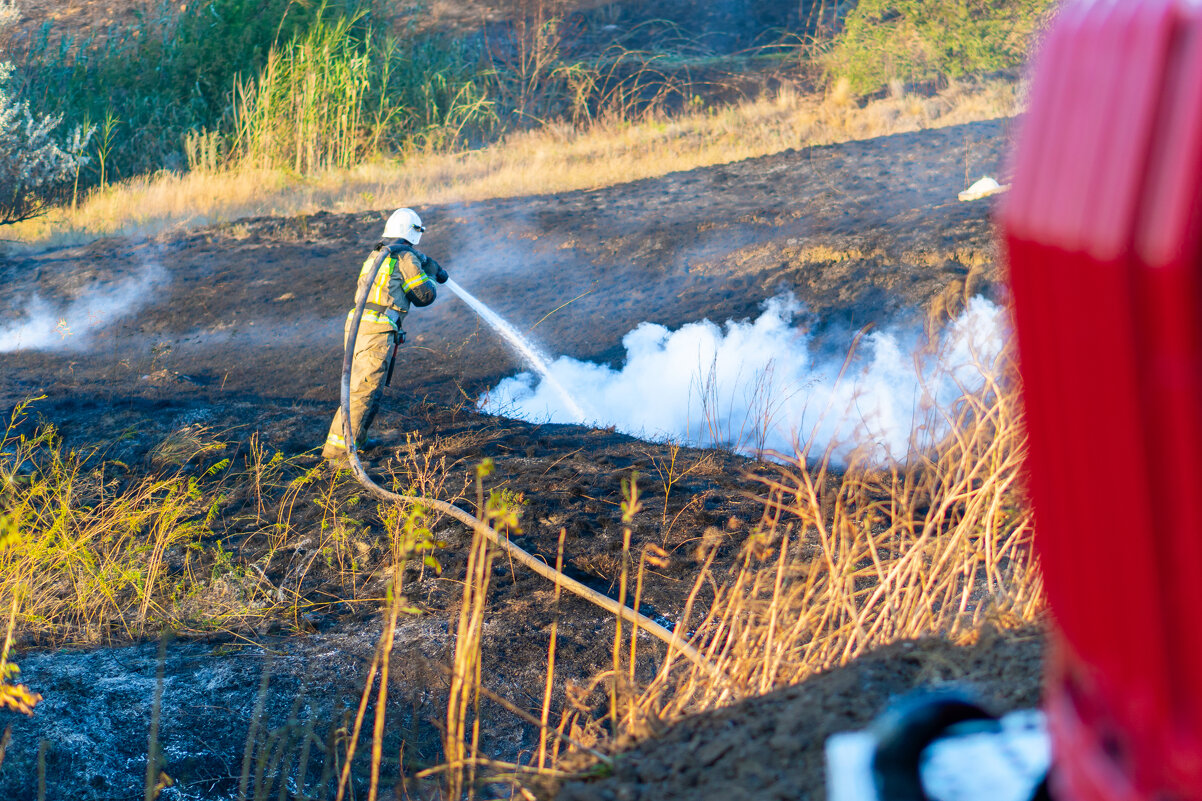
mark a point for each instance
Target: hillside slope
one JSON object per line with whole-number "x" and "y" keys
{"x": 237, "y": 329}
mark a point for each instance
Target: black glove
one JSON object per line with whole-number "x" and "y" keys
{"x": 435, "y": 270}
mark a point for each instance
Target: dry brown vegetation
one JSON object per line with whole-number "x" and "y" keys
{"x": 557, "y": 158}
{"x": 841, "y": 562}
{"x": 847, "y": 562}
{"x": 94, "y": 551}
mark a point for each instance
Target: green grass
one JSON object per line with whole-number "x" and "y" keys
{"x": 337, "y": 95}
{"x": 213, "y": 83}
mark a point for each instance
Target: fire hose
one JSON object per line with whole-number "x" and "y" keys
{"x": 673, "y": 640}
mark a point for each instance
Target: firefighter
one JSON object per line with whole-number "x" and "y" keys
{"x": 406, "y": 278}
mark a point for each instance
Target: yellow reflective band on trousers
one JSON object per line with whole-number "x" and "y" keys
{"x": 414, "y": 281}
{"x": 336, "y": 441}
{"x": 372, "y": 316}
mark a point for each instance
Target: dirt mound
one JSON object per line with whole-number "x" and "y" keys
{"x": 770, "y": 748}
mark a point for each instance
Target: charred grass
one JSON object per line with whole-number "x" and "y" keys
{"x": 212, "y": 538}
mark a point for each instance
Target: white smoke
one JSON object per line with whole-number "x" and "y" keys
{"x": 45, "y": 327}
{"x": 757, "y": 385}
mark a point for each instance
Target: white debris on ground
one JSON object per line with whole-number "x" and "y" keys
{"x": 983, "y": 188}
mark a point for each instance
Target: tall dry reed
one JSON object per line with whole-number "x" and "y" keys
{"x": 846, "y": 561}
{"x": 557, "y": 158}
{"x": 842, "y": 561}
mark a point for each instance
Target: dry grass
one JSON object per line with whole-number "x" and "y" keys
{"x": 845, "y": 563}
{"x": 463, "y": 704}
{"x": 205, "y": 536}
{"x": 552, "y": 159}
{"x": 841, "y": 562}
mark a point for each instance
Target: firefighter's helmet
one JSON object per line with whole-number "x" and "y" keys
{"x": 404, "y": 224}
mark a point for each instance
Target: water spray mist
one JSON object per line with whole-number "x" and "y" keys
{"x": 526, "y": 349}
{"x": 761, "y": 386}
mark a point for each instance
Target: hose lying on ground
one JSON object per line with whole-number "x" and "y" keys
{"x": 674, "y": 641}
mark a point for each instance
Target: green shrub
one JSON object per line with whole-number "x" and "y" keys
{"x": 306, "y": 86}
{"x": 32, "y": 162}
{"x": 172, "y": 73}
{"x": 293, "y": 84}
{"x": 928, "y": 40}
{"x": 338, "y": 94}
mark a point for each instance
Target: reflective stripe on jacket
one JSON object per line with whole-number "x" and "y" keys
{"x": 401, "y": 280}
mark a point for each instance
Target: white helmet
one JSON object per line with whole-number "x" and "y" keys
{"x": 404, "y": 224}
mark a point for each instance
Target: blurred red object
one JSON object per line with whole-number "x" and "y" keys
{"x": 1102, "y": 228}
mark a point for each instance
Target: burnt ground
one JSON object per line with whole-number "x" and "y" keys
{"x": 770, "y": 748}
{"x": 238, "y": 328}
{"x": 862, "y": 232}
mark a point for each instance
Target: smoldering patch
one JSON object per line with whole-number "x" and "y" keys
{"x": 46, "y": 326}
{"x": 760, "y": 386}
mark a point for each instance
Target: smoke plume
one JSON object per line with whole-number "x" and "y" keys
{"x": 45, "y": 327}
{"x": 757, "y": 385}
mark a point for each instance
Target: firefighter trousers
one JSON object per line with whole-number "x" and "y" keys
{"x": 373, "y": 357}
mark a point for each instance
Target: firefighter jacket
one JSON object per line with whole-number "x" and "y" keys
{"x": 405, "y": 278}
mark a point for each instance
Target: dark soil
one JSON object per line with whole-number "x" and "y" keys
{"x": 243, "y": 336}
{"x": 770, "y": 748}
{"x": 862, "y": 232}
